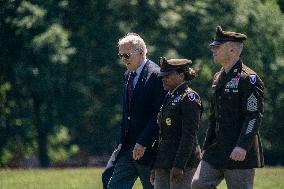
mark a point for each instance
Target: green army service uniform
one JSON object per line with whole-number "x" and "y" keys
{"x": 236, "y": 112}
{"x": 178, "y": 120}
{"x": 236, "y": 108}
{"x": 178, "y": 147}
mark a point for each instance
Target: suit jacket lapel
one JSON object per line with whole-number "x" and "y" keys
{"x": 127, "y": 74}
{"x": 140, "y": 83}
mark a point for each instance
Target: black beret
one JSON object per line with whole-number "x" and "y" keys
{"x": 225, "y": 36}
{"x": 172, "y": 65}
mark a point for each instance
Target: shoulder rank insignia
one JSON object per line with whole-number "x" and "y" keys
{"x": 168, "y": 121}
{"x": 191, "y": 96}
{"x": 252, "y": 78}
{"x": 252, "y": 103}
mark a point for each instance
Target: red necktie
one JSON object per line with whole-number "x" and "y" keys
{"x": 130, "y": 87}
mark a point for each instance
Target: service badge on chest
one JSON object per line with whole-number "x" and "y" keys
{"x": 168, "y": 121}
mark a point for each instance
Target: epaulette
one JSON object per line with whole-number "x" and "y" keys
{"x": 247, "y": 70}
{"x": 216, "y": 75}
{"x": 188, "y": 90}
{"x": 250, "y": 74}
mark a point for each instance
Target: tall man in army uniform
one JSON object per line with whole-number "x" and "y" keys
{"x": 232, "y": 147}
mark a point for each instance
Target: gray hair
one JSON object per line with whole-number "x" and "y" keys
{"x": 237, "y": 46}
{"x": 135, "y": 40}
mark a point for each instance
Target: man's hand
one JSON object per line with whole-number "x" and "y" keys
{"x": 238, "y": 154}
{"x": 176, "y": 173}
{"x": 138, "y": 151}
{"x": 152, "y": 176}
{"x": 119, "y": 146}
{"x": 202, "y": 153}
{"x": 115, "y": 152}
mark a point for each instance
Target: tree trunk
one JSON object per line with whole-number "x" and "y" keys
{"x": 42, "y": 135}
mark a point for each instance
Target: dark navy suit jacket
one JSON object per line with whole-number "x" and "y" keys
{"x": 139, "y": 122}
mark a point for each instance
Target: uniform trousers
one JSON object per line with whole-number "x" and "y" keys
{"x": 208, "y": 177}
{"x": 127, "y": 170}
{"x": 163, "y": 179}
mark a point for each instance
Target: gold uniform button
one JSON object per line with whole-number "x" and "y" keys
{"x": 168, "y": 121}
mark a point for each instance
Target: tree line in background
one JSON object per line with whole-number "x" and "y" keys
{"x": 60, "y": 77}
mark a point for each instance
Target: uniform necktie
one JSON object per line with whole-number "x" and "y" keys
{"x": 130, "y": 87}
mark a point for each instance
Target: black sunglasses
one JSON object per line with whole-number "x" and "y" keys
{"x": 127, "y": 55}
{"x": 124, "y": 55}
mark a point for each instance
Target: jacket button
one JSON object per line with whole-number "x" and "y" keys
{"x": 128, "y": 117}
{"x": 219, "y": 97}
{"x": 219, "y": 116}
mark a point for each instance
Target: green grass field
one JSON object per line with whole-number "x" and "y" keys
{"x": 90, "y": 178}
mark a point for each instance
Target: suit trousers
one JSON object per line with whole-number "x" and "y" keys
{"x": 207, "y": 177}
{"x": 163, "y": 179}
{"x": 127, "y": 170}
{"x": 106, "y": 175}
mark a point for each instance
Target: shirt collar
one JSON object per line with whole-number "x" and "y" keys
{"x": 140, "y": 68}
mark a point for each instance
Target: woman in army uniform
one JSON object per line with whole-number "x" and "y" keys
{"x": 179, "y": 153}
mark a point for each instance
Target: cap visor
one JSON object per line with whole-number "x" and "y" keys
{"x": 215, "y": 43}
{"x": 162, "y": 74}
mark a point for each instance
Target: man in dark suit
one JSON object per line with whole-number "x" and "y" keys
{"x": 232, "y": 147}
{"x": 143, "y": 96}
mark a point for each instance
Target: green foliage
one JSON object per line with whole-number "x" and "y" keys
{"x": 59, "y": 145}
{"x": 29, "y": 16}
{"x": 34, "y": 78}
{"x": 55, "y": 42}
{"x": 60, "y": 79}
